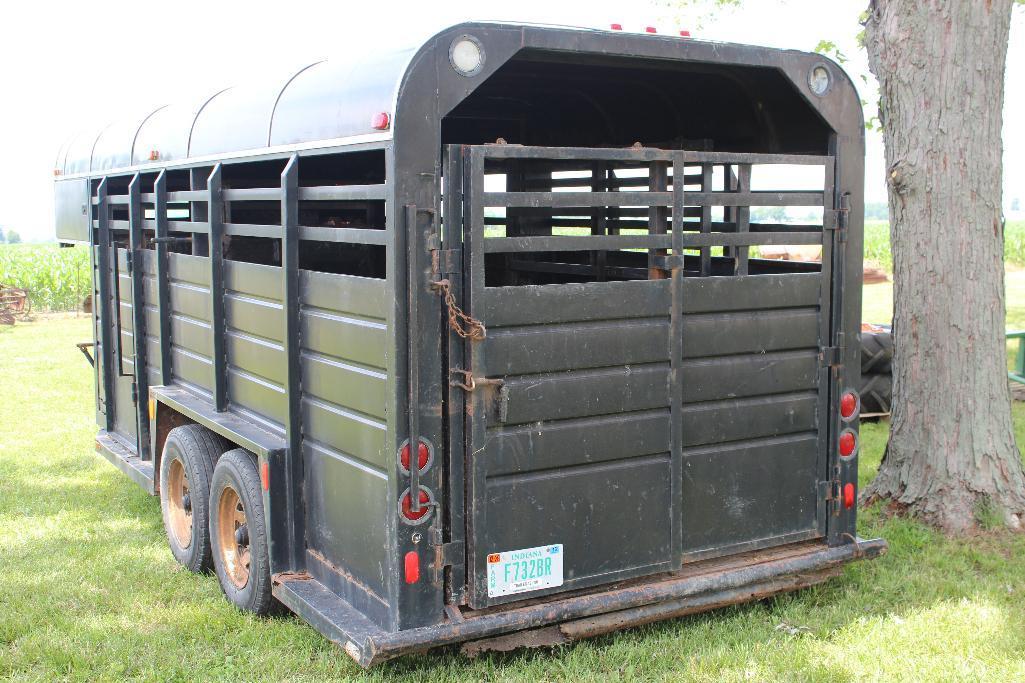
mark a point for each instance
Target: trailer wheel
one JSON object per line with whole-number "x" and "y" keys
{"x": 186, "y": 465}
{"x": 241, "y": 555}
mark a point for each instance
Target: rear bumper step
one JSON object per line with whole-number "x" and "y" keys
{"x": 698, "y": 587}
{"x": 125, "y": 459}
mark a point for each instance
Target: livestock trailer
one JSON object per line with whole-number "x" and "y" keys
{"x": 473, "y": 339}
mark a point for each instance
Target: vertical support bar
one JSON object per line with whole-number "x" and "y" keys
{"x": 599, "y": 258}
{"x": 215, "y": 213}
{"x": 675, "y": 363}
{"x": 473, "y": 279}
{"x": 138, "y": 273}
{"x": 706, "y": 220}
{"x": 290, "y": 303}
{"x": 729, "y": 184}
{"x": 743, "y": 214}
{"x": 828, "y": 457}
{"x": 413, "y": 337}
{"x": 162, "y": 275}
{"x": 106, "y": 324}
{"x": 454, "y": 399}
{"x": 657, "y": 216}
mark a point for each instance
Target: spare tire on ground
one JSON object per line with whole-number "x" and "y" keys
{"x": 876, "y": 393}
{"x": 876, "y": 349}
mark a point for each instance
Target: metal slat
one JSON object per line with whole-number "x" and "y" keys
{"x": 216, "y": 256}
{"x": 104, "y": 275}
{"x": 183, "y": 196}
{"x": 743, "y": 197}
{"x": 343, "y": 235}
{"x": 139, "y": 317}
{"x": 250, "y": 230}
{"x": 735, "y": 239}
{"x": 343, "y": 193}
{"x": 495, "y": 245}
{"x": 578, "y": 199}
{"x": 292, "y": 343}
{"x": 162, "y": 281}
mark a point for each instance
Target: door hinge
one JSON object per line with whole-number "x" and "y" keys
{"x": 841, "y": 216}
{"x": 135, "y": 392}
{"x": 128, "y": 261}
{"x": 445, "y": 554}
{"x": 447, "y": 261}
{"x": 831, "y": 356}
{"x": 829, "y": 490}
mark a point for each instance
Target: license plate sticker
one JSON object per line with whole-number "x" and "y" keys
{"x": 520, "y": 571}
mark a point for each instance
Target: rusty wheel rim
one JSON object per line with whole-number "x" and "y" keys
{"x": 179, "y": 504}
{"x": 233, "y": 537}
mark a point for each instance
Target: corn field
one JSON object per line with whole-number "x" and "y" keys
{"x": 56, "y": 279}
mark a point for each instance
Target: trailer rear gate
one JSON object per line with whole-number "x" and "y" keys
{"x": 642, "y": 423}
{"x": 625, "y": 412}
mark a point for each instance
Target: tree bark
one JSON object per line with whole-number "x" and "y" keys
{"x": 951, "y": 458}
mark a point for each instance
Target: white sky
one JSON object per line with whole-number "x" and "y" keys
{"x": 65, "y": 67}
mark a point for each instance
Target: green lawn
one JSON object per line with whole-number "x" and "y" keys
{"x": 89, "y": 591}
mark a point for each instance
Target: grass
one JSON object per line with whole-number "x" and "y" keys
{"x": 56, "y": 279}
{"x": 89, "y": 590}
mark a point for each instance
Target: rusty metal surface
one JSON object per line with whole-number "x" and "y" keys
{"x": 14, "y": 304}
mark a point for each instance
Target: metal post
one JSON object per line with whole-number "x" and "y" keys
{"x": 290, "y": 302}
{"x": 137, "y": 271}
{"x": 162, "y": 281}
{"x": 215, "y": 218}
{"x": 103, "y": 275}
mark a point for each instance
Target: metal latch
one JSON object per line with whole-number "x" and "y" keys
{"x": 469, "y": 384}
{"x": 831, "y": 356}
{"x": 445, "y": 554}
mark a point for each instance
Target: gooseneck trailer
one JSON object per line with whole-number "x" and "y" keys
{"x": 473, "y": 338}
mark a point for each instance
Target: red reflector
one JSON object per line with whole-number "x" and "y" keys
{"x": 265, "y": 476}
{"x": 407, "y": 506}
{"x": 848, "y": 496}
{"x": 650, "y": 29}
{"x": 848, "y": 404}
{"x": 412, "y": 566}
{"x": 685, "y": 34}
{"x": 847, "y": 443}
{"x": 616, "y": 27}
{"x": 423, "y": 456}
{"x": 380, "y": 121}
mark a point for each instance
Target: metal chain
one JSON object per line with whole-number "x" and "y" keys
{"x": 462, "y": 324}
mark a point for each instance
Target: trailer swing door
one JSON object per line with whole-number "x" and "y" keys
{"x": 646, "y": 394}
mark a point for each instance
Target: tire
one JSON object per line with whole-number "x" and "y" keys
{"x": 876, "y": 393}
{"x": 239, "y": 536}
{"x": 876, "y": 352}
{"x": 186, "y": 466}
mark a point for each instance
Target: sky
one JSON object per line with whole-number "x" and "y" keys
{"x": 69, "y": 67}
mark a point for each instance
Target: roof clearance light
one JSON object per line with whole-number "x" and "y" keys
{"x": 154, "y": 155}
{"x": 616, "y": 27}
{"x": 819, "y": 79}
{"x": 381, "y": 121}
{"x": 685, "y": 34}
{"x": 466, "y": 55}
{"x": 650, "y": 29}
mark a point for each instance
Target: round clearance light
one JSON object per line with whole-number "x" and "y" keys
{"x": 848, "y": 443}
{"x": 466, "y": 55}
{"x": 819, "y": 79}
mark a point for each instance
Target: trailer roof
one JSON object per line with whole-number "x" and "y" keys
{"x": 318, "y": 103}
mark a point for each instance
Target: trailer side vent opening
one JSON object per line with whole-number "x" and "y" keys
{"x": 606, "y": 283}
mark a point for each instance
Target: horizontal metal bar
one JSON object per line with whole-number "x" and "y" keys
{"x": 738, "y": 158}
{"x": 187, "y": 196}
{"x": 736, "y": 239}
{"x": 754, "y": 198}
{"x": 640, "y": 154}
{"x": 343, "y": 235}
{"x": 561, "y": 199}
{"x": 251, "y": 230}
{"x": 252, "y": 194}
{"x": 117, "y": 199}
{"x": 343, "y": 192}
{"x": 495, "y": 245}
{"x": 188, "y": 226}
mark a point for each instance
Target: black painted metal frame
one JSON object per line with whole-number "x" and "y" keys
{"x": 421, "y": 249}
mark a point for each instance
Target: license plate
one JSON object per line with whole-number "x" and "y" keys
{"x": 519, "y": 571}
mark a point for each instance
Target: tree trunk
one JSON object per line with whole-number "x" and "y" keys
{"x": 951, "y": 458}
